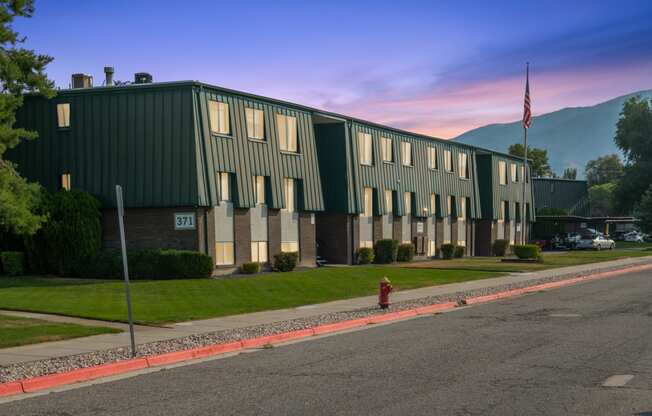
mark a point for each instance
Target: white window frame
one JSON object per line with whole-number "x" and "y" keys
{"x": 219, "y": 118}
{"x": 63, "y": 115}
{"x": 433, "y": 204}
{"x": 514, "y": 172}
{"x": 259, "y": 189}
{"x": 461, "y": 222}
{"x": 287, "y": 133}
{"x": 255, "y": 123}
{"x": 406, "y": 153}
{"x": 366, "y": 244}
{"x": 463, "y": 165}
{"x": 407, "y": 203}
{"x": 502, "y": 172}
{"x": 368, "y": 203}
{"x": 387, "y": 149}
{"x": 224, "y": 184}
{"x": 389, "y": 201}
{"x": 432, "y": 158}
{"x": 448, "y": 161}
{"x": 290, "y": 246}
{"x": 66, "y": 182}
{"x": 288, "y": 187}
{"x": 224, "y": 253}
{"x": 365, "y": 148}
{"x": 259, "y": 251}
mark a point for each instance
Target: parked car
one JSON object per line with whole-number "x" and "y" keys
{"x": 596, "y": 242}
{"x": 634, "y": 237}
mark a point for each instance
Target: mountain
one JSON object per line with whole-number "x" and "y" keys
{"x": 572, "y": 136}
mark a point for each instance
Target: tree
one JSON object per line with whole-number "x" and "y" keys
{"x": 539, "y": 165}
{"x": 634, "y": 138}
{"x": 602, "y": 199}
{"x": 644, "y": 211}
{"x": 21, "y": 71}
{"x": 570, "y": 173}
{"x": 604, "y": 169}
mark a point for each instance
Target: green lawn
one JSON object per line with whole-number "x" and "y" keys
{"x": 628, "y": 245}
{"x": 15, "y": 331}
{"x": 164, "y": 301}
{"x": 551, "y": 260}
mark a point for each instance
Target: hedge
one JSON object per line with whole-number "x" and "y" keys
{"x": 447, "y": 251}
{"x": 250, "y": 268}
{"x": 500, "y": 247}
{"x": 285, "y": 262}
{"x": 459, "y": 252}
{"x": 12, "y": 263}
{"x": 527, "y": 251}
{"x": 405, "y": 252}
{"x": 365, "y": 255}
{"x": 385, "y": 251}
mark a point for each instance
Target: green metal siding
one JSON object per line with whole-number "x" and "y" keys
{"x": 246, "y": 158}
{"x": 569, "y": 195}
{"x": 140, "y": 138}
{"x": 332, "y": 143}
{"x": 492, "y": 193}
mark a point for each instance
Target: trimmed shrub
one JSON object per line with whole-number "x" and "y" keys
{"x": 175, "y": 264}
{"x": 459, "y": 252}
{"x": 250, "y": 268}
{"x": 13, "y": 263}
{"x": 500, "y": 247}
{"x": 365, "y": 255}
{"x": 527, "y": 251}
{"x": 447, "y": 251}
{"x": 386, "y": 251}
{"x": 285, "y": 262}
{"x": 405, "y": 252}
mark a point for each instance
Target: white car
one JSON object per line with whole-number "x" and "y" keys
{"x": 596, "y": 242}
{"x": 635, "y": 237}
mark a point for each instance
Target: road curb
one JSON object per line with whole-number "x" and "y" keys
{"x": 90, "y": 373}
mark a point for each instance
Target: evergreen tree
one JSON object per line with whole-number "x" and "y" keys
{"x": 539, "y": 164}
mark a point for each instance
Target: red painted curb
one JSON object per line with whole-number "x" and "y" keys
{"x": 423, "y": 310}
{"x": 170, "y": 358}
{"x": 10, "y": 389}
{"x": 271, "y": 339}
{"x": 83, "y": 374}
{"x": 339, "y": 326}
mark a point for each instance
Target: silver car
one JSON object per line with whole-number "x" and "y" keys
{"x": 596, "y": 242}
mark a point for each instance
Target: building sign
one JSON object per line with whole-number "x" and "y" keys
{"x": 419, "y": 227}
{"x": 184, "y": 221}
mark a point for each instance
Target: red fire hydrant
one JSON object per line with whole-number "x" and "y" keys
{"x": 385, "y": 289}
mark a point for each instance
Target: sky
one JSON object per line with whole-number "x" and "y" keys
{"x": 433, "y": 67}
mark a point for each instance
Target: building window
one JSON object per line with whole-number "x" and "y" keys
{"x": 224, "y": 185}
{"x": 432, "y": 158}
{"x": 407, "y": 201}
{"x": 514, "y": 172}
{"x": 463, "y": 165}
{"x": 461, "y": 223}
{"x": 406, "y": 153}
{"x": 368, "y": 202}
{"x": 365, "y": 149}
{"x": 502, "y": 172}
{"x": 255, "y": 123}
{"x": 517, "y": 212}
{"x": 287, "y": 133}
{"x": 448, "y": 161}
{"x": 288, "y": 184}
{"x": 259, "y": 251}
{"x": 65, "y": 182}
{"x": 63, "y": 115}
{"x": 389, "y": 201}
{"x": 290, "y": 246}
{"x": 259, "y": 189}
{"x": 224, "y": 253}
{"x": 433, "y": 204}
{"x": 387, "y": 150}
{"x": 366, "y": 244}
{"x": 218, "y": 113}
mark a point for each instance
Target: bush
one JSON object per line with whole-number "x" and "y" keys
{"x": 447, "y": 251}
{"x": 527, "y": 251}
{"x": 250, "y": 268}
{"x": 386, "y": 251}
{"x": 285, "y": 262}
{"x": 175, "y": 264}
{"x": 500, "y": 247}
{"x": 365, "y": 255}
{"x": 405, "y": 252}
{"x": 12, "y": 263}
{"x": 459, "y": 252}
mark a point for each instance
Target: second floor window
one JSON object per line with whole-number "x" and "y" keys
{"x": 224, "y": 185}
{"x": 407, "y": 202}
{"x": 218, "y": 113}
{"x": 63, "y": 115}
{"x": 448, "y": 161}
{"x": 287, "y": 133}
{"x": 432, "y": 158}
{"x": 389, "y": 201}
{"x": 365, "y": 150}
{"x": 259, "y": 189}
{"x": 463, "y": 202}
{"x": 450, "y": 202}
{"x": 406, "y": 153}
{"x": 368, "y": 202}
{"x": 463, "y": 165}
{"x": 386, "y": 147}
{"x": 433, "y": 204}
{"x": 288, "y": 184}
{"x": 255, "y": 123}
{"x": 502, "y": 172}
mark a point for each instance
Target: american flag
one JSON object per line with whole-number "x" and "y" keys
{"x": 527, "y": 111}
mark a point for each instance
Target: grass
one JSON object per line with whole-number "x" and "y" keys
{"x": 164, "y": 301}
{"x": 551, "y": 260}
{"x": 630, "y": 246}
{"x": 15, "y": 331}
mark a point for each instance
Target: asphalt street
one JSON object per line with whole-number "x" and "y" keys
{"x": 547, "y": 353}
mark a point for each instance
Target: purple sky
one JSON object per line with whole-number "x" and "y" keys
{"x": 438, "y": 67}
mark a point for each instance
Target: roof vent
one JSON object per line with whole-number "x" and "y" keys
{"x": 108, "y": 76}
{"x": 142, "y": 78}
{"x": 82, "y": 81}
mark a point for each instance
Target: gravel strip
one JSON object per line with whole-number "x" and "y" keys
{"x": 31, "y": 369}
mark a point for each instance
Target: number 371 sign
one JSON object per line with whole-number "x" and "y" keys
{"x": 184, "y": 221}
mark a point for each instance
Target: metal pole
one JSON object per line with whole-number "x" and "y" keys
{"x": 525, "y": 173}
{"x": 118, "y": 195}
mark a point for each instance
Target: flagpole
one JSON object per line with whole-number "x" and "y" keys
{"x": 525, "y": 171}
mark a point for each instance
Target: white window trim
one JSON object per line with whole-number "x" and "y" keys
{"x": 448, "y": 161}
{"x": 287, "y": 142}
{"x": 407, "y": 203}
{"x": 255, "y": 123}
{"x": 224, "y": 253}
{"x": 219, "y": 117}
{"x": 63, "y": 115}
{"x": 387, "y": 149}
{"x": 365, "y": 148}
{"x": 259, "y": 251}
{"x": 463, "y": 165}
{"x": 259, "y": 189}
{"x": 432, "y": 158}
{"x": 224, "y": 182}
{"x": 368, "y": 203}
{"x": 389, "y": 201}
{"x": 406, "y": 154}
{"x": 288, "y": 187}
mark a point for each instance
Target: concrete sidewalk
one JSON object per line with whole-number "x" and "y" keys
{"x": 146, "y": 334}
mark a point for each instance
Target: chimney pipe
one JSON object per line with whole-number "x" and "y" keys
{"x": 108, "y": 72}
